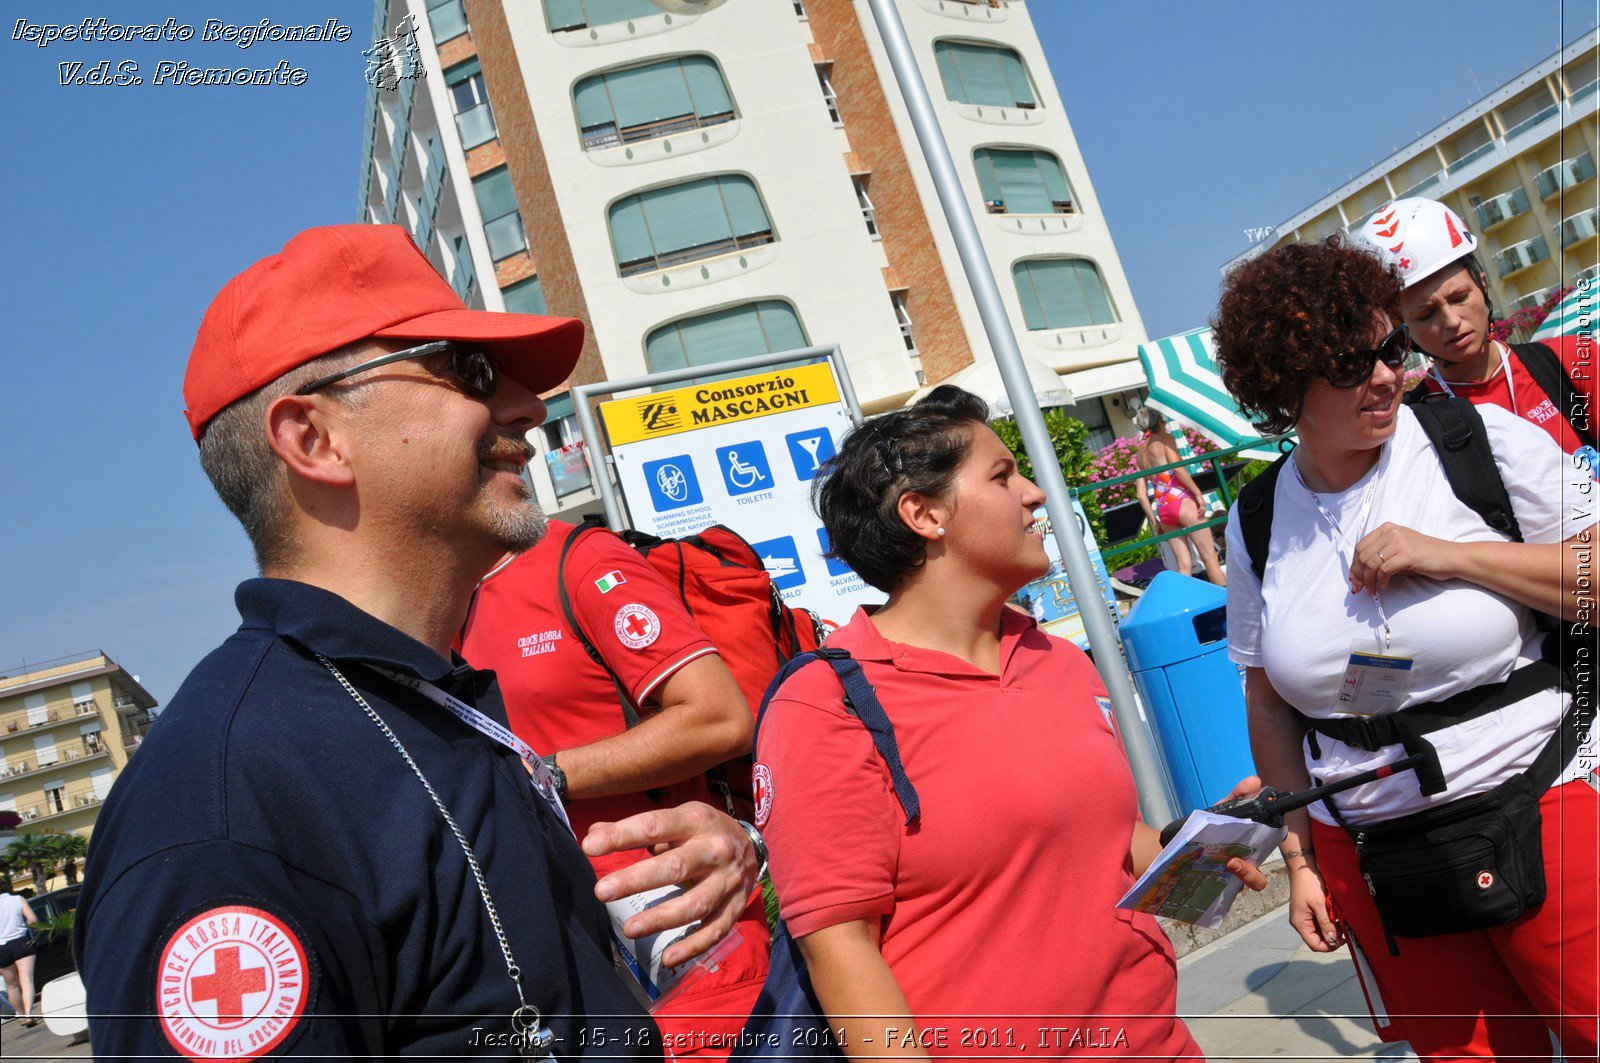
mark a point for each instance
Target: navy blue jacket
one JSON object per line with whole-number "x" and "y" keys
{"x": 265, "y": 811}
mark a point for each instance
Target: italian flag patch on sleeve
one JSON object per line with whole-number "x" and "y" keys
{"x": 610, "y": 581}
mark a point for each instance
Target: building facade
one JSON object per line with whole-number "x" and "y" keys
{"x": 702, "y": 187}
{"x": 67, "y": 727}
{"x": 1518, "y": 165}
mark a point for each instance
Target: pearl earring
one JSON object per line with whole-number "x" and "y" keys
{"x": 941, "y": 531}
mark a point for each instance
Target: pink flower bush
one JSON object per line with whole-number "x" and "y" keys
{"x": 1118, "y": 459}
{"x": 1526, "y": 322}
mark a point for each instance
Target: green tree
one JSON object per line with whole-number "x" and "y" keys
{"x": 1070, "y": 438}
{"x": 69, "y": 849}
{"x": 36, "y": 854}
{"x": 6, "y": 883}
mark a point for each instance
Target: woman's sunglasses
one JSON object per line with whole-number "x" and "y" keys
{"x": 1353, "y": 368}
{"x": 470, "y": 366}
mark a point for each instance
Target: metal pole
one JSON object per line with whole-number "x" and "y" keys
{"x": 1149, "y": 775}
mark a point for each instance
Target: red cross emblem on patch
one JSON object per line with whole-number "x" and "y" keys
{"x": 232, "y": 983}
{"x": 1485, "y": 879}
{"x": 1405, "y": 262}
{"x": 637, "y": 626}
{"x": 762, "y": 780}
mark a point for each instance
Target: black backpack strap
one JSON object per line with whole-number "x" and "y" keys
{"x": 1254, "y": 513}
{"x": 862, "y": 702}
{"x": 1455, "y": 428}
{"x": 1417, "y": 394}
{"x": 1551, "y": 376}
{"x": 630, "y": 712}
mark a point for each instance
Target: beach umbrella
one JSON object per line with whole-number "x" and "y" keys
{"x": 1185, "y": 385}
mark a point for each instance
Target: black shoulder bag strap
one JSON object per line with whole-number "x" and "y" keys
{"x": 1455, "y": 428}
{"x": 1547, "y": 371}
{"x": 1254, "y": 510}
{"x": 630, "y": 712}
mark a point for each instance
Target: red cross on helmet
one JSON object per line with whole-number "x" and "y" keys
{"x": 1418, "y": 236}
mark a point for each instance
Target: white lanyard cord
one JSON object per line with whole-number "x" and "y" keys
{"x": 1363, "y": 515}
{"x": 534, "y": 1041}
{"x": 543, "y": 781}
{"x": 1505, "y": 363}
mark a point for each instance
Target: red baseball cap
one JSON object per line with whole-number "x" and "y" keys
{"x": 334, "y": 285}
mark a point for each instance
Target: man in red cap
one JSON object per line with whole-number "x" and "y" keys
{"x": 330, "y": 843}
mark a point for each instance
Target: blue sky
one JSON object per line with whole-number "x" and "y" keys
{"x": 129, "y": 206}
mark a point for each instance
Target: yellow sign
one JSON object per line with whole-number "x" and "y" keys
{"x": 666, "y": 413}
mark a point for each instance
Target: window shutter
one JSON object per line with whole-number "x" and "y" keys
{"x": 737, "y": 332}
{"x": 744, "y": 206}
{"x": 591, "y": 102}
{"x": 663, "y": 349}
{"x": 988, "y": 181}
{"x": 686, "y": 215}
{"x": 1016, "y": 76}
{"x": 1055, "y": 179}
{"x": 564, "y": 14}
{"x": 707, "y": 90}
{"x": 629, "y": 237}
{"x": 462, "y": 71}
{"x": 525, "y": 297}
{"x": 644, "y": 94}
{"x": 1021, "y": 183}
{"x": 495, "y": 195}
{"x": 1028, "y": 295}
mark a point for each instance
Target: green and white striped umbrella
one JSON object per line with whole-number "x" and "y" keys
{"x": 1572, "y": 316}
{"x": 1185, "y": 385}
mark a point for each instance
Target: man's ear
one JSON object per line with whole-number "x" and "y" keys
{"x": 309, "y": 440}
{"x": 925, "y": 516}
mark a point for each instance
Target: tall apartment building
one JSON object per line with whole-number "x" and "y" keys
{"x": 710, "y": 186}
{"x": 1518, "y": 165}
{"x": 67, "y": 727}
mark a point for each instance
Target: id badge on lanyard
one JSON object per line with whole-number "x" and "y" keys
{"x": 1374, "y": 682}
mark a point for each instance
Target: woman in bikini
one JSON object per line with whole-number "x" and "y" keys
{"x": 1176, "y": 497}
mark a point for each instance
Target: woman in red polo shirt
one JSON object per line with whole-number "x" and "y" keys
{"x": 997, "y": 902}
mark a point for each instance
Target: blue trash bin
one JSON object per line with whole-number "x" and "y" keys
{"x": 1176, "y": 638}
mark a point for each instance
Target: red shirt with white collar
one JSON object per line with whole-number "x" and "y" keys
{"x": 1525, "y": 398}
{"x": 999, "y": 899}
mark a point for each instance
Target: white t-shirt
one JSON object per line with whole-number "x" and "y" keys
{"x": 1304, "y": 624}
{"x": 12, "y": 923}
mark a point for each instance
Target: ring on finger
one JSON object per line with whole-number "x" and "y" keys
{"x": 1380, "y": 556}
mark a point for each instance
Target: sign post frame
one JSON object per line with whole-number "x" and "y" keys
{"x": 602, "y": 463}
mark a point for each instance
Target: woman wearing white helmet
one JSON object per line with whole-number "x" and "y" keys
{"x": 1445, "y": 306}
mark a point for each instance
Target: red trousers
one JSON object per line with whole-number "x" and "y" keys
{"x": 1492, "y": 994}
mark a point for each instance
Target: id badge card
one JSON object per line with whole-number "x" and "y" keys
{"x": 1374, "y": 683}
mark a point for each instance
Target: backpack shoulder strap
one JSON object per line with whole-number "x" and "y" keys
{"x": 1547, "y": 371}
{"x": 1417, "y": 394}
{"x": 1455, "y": 428}
{"x": 862, "y": 702}
{"x": 1254, "y": 510}
{"x": 630, "y": 713}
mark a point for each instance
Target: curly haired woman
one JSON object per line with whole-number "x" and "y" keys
{"x": 1374, "y": 562}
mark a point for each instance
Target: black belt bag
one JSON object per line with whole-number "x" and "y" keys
{"x": 1471, "y": 864}
{"x": 1468, "y": 865}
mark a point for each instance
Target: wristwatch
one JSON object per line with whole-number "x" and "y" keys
{"x": 557, "y": 776}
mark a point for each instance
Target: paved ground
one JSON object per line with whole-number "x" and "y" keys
{"x": 1259, "y": 993}
{"x": 38, "y": 1044}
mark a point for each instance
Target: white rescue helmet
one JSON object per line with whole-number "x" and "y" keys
{"x": 1419, "y": 236}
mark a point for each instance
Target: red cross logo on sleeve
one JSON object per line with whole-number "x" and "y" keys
{"x": 637, "y": 626}
{"x": 232, "y": 983}
{"x": 228, "y": 985}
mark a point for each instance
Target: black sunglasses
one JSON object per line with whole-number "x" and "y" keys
{"x": 1352, "y": 368}
{"x": 470, "y": 366}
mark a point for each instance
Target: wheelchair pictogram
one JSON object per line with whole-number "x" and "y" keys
{"x": 744, "y": 467}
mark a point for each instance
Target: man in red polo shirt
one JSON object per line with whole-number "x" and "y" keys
{"x": 691, "y": 716}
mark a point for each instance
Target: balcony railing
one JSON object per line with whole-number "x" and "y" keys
{"x": 70, "y": 803}
{"x": 685, "y": 255}
{"x": 1501, "y": 208}
{"x": 1583, "y": 92}
{"x": 462, "y": 278}
{"x": 610, "y": 135}
{"x": 476, "y": 126}
{"x": 1521, "y": 256}
{"x": 20, "y": 722}
{"x": 64, "y": 756}
{"x": 423, "y": 231}
{"x": 1564, "y": 174}
{"x": 1584, "y": 225}
{"x": 449, "y": 21}
{"x": 1528, "y": 124}
{"x": 1472, "y": 156}
{"x": 1424, "y": 186}
{"x": 506, "y": 235}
